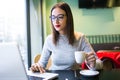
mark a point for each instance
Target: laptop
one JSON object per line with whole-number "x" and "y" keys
{"x": 43, "y": 76}
{"x": 12, "y": 66}
{"x": 11, "y": 63}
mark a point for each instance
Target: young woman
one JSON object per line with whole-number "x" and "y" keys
{"x": 63, "y": 42}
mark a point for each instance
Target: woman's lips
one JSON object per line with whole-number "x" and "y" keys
{"x": 57, "y": 26}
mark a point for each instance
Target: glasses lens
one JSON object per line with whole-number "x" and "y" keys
{"x": 59, "y": 17}
{"x": 53, "y": 17}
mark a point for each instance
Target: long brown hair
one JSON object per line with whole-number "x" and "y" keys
{"x": 69, "y": 24}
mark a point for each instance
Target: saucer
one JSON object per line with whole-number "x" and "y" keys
{"x": 89, "y": 72}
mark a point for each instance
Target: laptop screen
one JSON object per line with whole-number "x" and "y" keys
{"x": 11, "y": 63}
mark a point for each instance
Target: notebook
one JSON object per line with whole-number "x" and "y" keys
{"x": 12, "y": 66}
{"x": 11, "y": 63}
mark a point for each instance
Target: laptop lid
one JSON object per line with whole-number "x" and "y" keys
{"x": 11, "y": 63}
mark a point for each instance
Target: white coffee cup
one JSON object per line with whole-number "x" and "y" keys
{"x": 80, "y": 56}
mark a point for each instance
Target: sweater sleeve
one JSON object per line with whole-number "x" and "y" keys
{"x": 45, "y": 52}
{"x": 84, "y": 45}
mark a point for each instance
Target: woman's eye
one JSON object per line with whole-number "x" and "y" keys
{"x": 60, "y": 17}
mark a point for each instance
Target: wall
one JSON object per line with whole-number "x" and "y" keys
{"x": 89, "y": 21}
{"x": 47, "y": 4}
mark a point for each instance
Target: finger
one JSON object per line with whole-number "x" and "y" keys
{"x": 92, "y": 64}
{"x": 91, "y": 54}
{"x": 31, "y": 69}
{"x": 90, "y": 57}
{"x": 34, "y": 67}
{"x": 37, "y": 67}
{"x": 40, "y": 68}
{"x": 92, "y": 60}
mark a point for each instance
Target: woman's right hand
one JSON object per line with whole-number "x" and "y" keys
{"x": 37, "y": 67}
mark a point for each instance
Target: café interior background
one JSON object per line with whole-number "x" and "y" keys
{"x": 97, "y": 21}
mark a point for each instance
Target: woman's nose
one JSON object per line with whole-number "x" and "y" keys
{"x": 56, "y": 20}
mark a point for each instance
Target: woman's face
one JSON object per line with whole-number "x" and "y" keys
{"x": 59, "y": 19}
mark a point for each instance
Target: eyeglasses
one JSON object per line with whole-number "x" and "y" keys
{"x": 59, "y": 17}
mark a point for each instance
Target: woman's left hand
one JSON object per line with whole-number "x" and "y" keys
{"x": 91, "y": 59}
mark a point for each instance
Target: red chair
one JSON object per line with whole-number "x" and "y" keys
{"x": 112, "y": 55}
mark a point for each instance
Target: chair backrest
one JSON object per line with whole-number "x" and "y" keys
{"x": 111, "y": 56}
{"x": 37, "y": 57}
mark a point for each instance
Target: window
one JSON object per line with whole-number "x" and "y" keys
{"x": 13, "y": 24}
